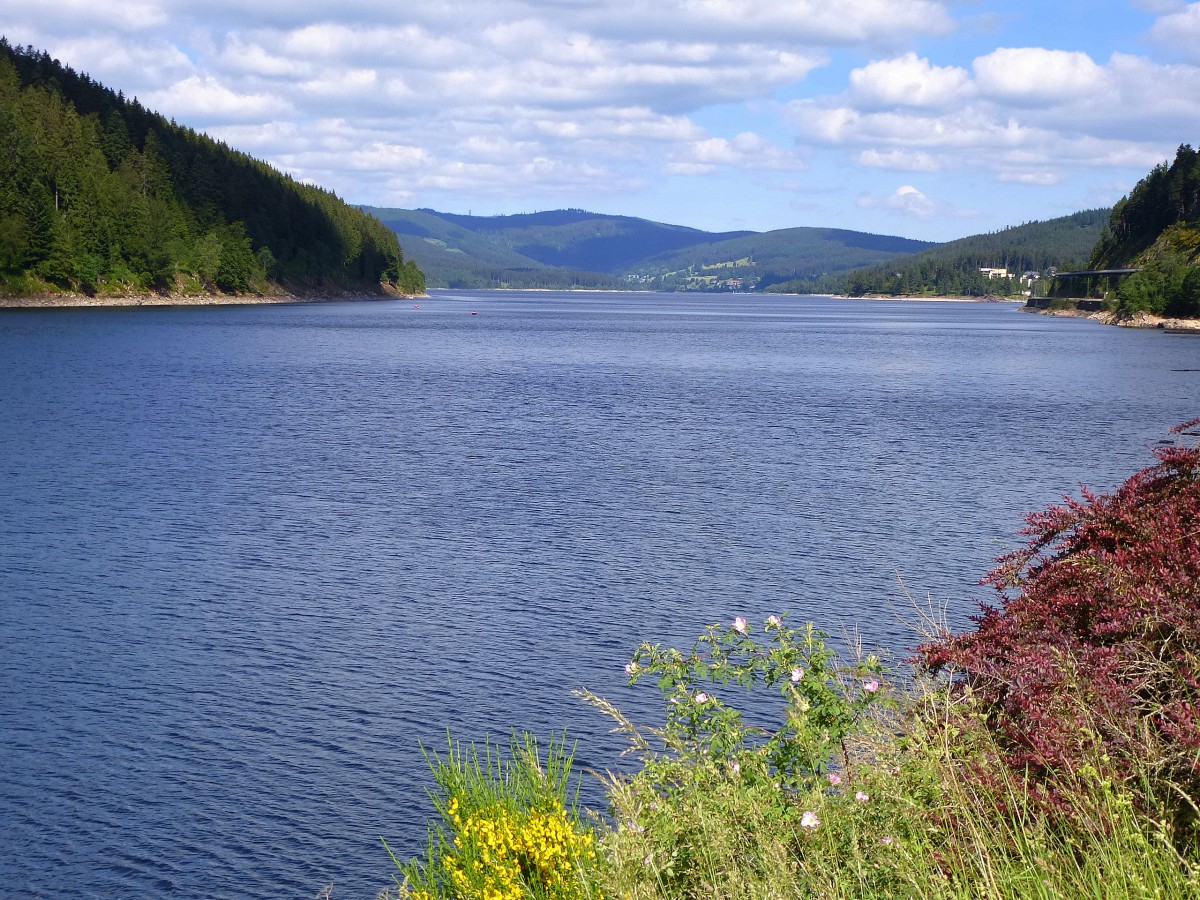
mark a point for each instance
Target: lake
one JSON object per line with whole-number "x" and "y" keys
{"x": 252, "y": 558}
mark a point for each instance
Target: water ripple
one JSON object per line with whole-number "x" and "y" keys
{"x": 251, "y": 560}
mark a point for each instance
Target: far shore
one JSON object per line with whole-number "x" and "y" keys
{"x": 74, "y": 299}
{"x": 991, "y": 298}
{"x": 936, "y": 298}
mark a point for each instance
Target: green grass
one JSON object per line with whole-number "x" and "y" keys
{"x": 922, "y": 810}
{"x": 869, "y": 789}
{"x": 508, "y": 828}
{"x": 911, "y": 817}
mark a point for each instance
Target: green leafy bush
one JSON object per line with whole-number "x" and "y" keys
{"x": 822, "y": 701}
{"x": 708, "y": 764}
{"x": 1168, "y": 286}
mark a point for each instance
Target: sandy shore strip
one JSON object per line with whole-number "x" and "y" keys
{"x": 56, "y": 301}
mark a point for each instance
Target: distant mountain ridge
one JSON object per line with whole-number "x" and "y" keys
{"x": 577, "y": 239}
{"x": 761, "y": 260}
{"x": 575, "y": 248}
{"x": 1008, "y": 262}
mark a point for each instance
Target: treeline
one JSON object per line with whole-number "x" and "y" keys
{"x": 1166, "y": 198}
{"x": 780, "y": 257}
{"x": 1156, "y": 228}
{"x": 99, "y": 194}
{"x": 525, "y": 279}
{"x": 954, "y": 268}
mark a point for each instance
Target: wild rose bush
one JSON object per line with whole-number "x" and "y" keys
{"x": 730, "y": 782}
{"x": 821, "y": 700}
{"x": 1094, "y": 653}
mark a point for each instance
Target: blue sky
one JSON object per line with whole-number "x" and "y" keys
{"x": 931, "y": 119}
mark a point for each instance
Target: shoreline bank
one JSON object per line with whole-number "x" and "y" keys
{"x": 1138, "y": 320}
{"x": 935, "y": 298}
{"x": 80, "y": 301}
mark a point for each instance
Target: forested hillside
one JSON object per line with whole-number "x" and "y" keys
{"x": 562, "y": 248}
{"x": 759, "y": 261}
{"x": 577, "y": 239}
{"x": 1156, "y": 228}
{"x": 101, "y": 195}
{"x": 462, "y": 252}
{"x": 575, "y": 248}
{"x": 954, "y": 268}
{"x": 1164, "y": 208}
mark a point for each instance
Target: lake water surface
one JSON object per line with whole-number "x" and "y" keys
{"x": 252, "y": 557}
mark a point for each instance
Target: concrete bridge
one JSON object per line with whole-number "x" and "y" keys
{"x": 1085, "y": 304}
{"x": 1090, "y": 272}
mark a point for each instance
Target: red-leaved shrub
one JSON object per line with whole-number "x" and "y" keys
{"x": 1094, "y": 652}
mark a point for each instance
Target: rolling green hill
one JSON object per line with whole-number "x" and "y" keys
{"x": 758, "y": 261}
{"x": 100, "y": 195}
{"x": 560, "y": 248}
{"x": 574, "y": 248}
{"x": 954, "y": 268}
{"x": 452, "y": 255}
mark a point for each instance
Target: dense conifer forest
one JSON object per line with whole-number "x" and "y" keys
{"x": 1165, "y": 205}
{"x": 100, "y": 195}
{"x": 1156, "y": 228}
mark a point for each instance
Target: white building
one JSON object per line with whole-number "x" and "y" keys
{"x": 994, "y": 273}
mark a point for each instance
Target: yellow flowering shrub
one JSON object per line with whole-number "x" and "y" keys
{"x": 501, "y": 854}
{"x": 506, "y": 831}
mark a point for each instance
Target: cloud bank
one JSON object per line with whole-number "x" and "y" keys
{"x": 521, "y": 102}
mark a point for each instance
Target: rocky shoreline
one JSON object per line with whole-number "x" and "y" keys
{"x": 1138, "y": 320}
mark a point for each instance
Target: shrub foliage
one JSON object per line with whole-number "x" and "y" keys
{"x": 1093, "y": 656}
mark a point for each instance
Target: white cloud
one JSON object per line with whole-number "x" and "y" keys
{"x": 1043, "y": 178}
{"x": 909, "y": 200}
{"x": 84, "y": 15}
{"x": 1035, "y": 76}
{"x": 909, "y": 81}
{"x": 811, "y": 22}
{"x": 906, "y": 198}
{"x": 388, "y": 157}
{"x": 247, "y": 57}
{"x": 746, "y": 151}
{"x": 205, "y": 99}
{"x": 1179, "y": 31}
{"x": 343, "y": 84}
{"x": 1027, "y": 116}
{"x": 965, "y": 129}
{"x": 899, "y": 159}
